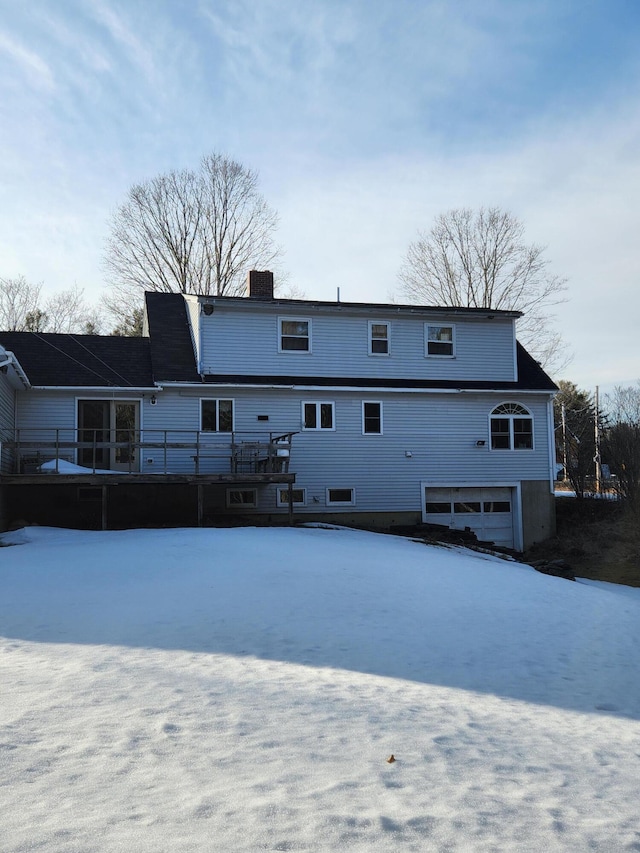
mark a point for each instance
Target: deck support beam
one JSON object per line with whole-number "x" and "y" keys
{"x": 104, "y": 498}
{"x": 200, "y": 489}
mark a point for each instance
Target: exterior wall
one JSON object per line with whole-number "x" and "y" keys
{"x": 7, "y": 421}
{"x": 43, "y": 415}
{"x": 7, "y": 424}
{"x": 244, "y": 339}
{"x": 426, "y": 436}
{"x": 539, "y": 512}
{"x": 193, "y": 311}
{"x": 429, "y": 438}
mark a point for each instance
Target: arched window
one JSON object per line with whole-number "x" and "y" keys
{"x": 511, "y": 427}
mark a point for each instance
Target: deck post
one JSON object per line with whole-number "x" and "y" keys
{"x": 290, "y": 502}
{"x": 200, "y": 489}
{"x": 104, "y": 507}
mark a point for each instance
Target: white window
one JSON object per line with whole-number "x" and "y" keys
{"x": 242, "y": 498}
{"x": 317, "y": 416}
{"x": 378, "y": 338}
{"x": 371, "y": 418}
{"x": 341, "y": 497}
{"x": 294, "y": 334}
{"x": 440, "y": 341}
{"x": 216, "y": 415}
{"x": 299, "y": 497}
{"x": 511, "y": 427}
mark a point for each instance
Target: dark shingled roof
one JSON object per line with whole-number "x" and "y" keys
{"x": 81, "y": 360}
{"x": 168, "y": 356}
{"x": 531, "y": 377}
{"x": 172, "y": 354}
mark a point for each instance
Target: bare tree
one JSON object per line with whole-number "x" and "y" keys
{"x": 18, "y": 300}
{"x": 192, "y": 232}
{"x": 22, "y": 309}
{"x": 69, "y": 312}
{"x": 480, "y": 260}
{"x": 623, "y": 405}
{"x": 621, "y": 442}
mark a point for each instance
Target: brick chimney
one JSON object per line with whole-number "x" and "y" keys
{"x": 260, "y": 284}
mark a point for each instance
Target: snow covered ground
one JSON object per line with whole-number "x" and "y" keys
{"x": 241, "y": 690}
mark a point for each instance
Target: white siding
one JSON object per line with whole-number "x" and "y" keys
{"x": 245, "y": 340}
{"x": 7, "y": 421}
{"x": 439, "y": 431}
{"x": 193, "y": 311}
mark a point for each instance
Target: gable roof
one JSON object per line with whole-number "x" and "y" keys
{"x": 530, "y": 373}
{"x": 172, "y": 354}
{"x": 51, "y": 359}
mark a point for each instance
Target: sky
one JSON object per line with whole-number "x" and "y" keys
{"x": 365, "y": 119}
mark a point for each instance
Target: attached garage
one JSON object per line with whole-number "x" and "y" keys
{"x": 488, "y": 511}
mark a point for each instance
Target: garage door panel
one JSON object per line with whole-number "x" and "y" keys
{"x": 487, "y": 511}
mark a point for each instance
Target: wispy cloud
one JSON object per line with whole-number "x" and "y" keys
{"x": 33, "y": 67}
{"x": 124, "y": 36}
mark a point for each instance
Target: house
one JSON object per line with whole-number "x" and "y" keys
{"x": 279, "y": 409}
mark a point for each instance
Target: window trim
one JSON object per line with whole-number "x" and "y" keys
{"x": 217, "y": 401}
{"x": 330, "y": 489}
{"x": 428, "y": 326}
{"x": 370, "y": 325}
{"x": 253, "y": 505}
{"x": 285, "y": 503}
{"x": 510, "y": 417}
{"x": 378, "y": 403}
{"x": 317, "y": 404}
{"x": 306, "y": 320}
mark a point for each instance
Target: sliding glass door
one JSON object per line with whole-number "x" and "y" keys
{"x": 114, "y": 422}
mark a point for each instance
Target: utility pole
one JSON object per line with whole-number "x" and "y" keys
{"x": 564, "y": 442}
{"x": 597, "y": 441}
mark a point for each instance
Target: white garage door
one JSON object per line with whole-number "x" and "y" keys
{"x": 487, "y": 511}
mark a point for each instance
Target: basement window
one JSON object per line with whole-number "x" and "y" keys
{"x": 298, "y": 495}
{"x": 341, "y": 497}
{"x": 242, "y": 498}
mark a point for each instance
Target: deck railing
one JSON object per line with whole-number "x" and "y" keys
{"x": 160, "y": 451}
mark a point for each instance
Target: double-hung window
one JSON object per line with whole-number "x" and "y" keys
{"x": 378, "y": 338}
{"x": 294, "y": 334}
{"x": 440, "y": 341}
{"x": 511, "y": 427}
{"x": 216, "y": 416}
{"x": 371, "y": 418}
{"x": 317, "y": 416}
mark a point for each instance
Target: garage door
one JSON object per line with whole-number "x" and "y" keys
{"x": 487, "y": 511}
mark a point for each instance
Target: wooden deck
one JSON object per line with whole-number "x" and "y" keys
{"x": 114, "y": 479}
{"x": 43, "y": 458}
{"x": 217, "y": 457}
